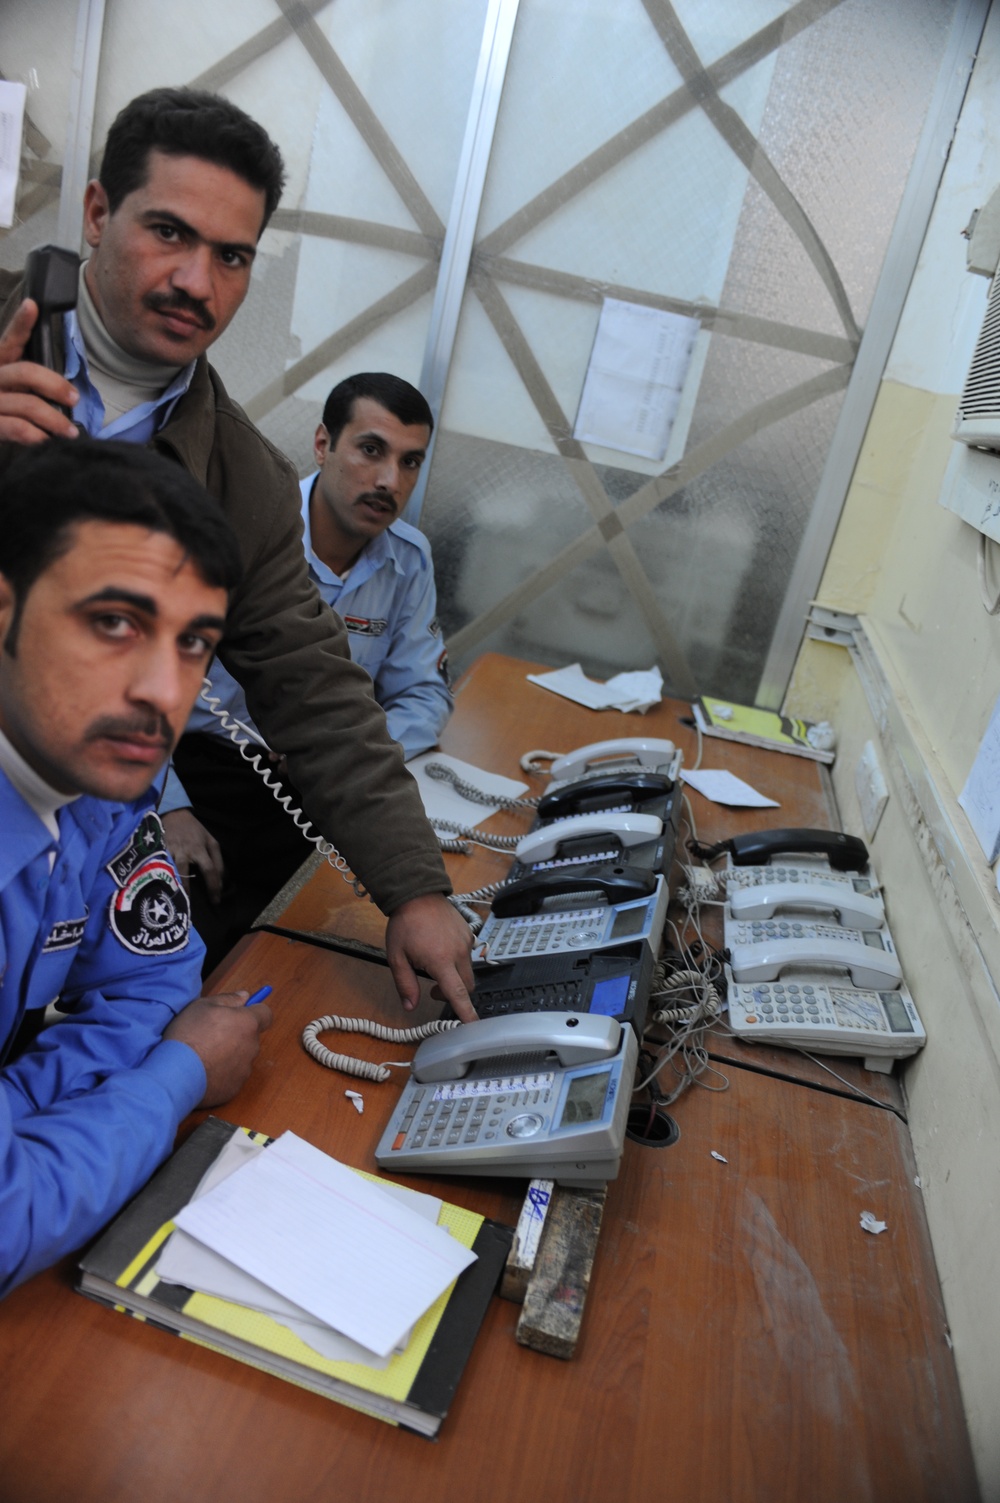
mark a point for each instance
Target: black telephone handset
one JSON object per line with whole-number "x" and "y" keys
{"x": 845, "y": 853}
{"x": 592, "y": 793}
{"x": 51, "y": 279}
{"x": 618, "y": 884}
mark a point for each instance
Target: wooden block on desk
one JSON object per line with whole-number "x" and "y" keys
{"x": 557, "y": 1291}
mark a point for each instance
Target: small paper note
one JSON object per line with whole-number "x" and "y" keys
{"x": 12, "y": 97}
{"x": 443, "y": 800}
{"x": 870, "y": 1224}
{"x": 980, "y": 798}
{"x": 635, "y": 377}
{"x": 725, "y": 788}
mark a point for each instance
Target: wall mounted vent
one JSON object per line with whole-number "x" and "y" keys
{"x": 977, "y": 421}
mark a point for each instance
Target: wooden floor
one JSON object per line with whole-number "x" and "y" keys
{"x": 744, "y": 1338}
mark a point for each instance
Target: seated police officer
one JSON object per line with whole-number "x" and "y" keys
{"x": 376, "y": 571}
{"x": 115, "y": 575}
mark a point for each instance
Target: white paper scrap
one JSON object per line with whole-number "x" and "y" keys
{"x": 12, "y": 98}
{"x": 636, "y": 691}
{"x": 358, "y": 1099}
{"x": 443, "y": 802}
{"x": 329, "y": 1241}
{"x": 980, "y": 798}
{"x": 725, "y": 788}
{"x": 870, "y": 1224}
{"x": 719, "y": 1157}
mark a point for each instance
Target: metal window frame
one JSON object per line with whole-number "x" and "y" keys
{"x": 80, "y": 125}
{"x": 463, "y": 217}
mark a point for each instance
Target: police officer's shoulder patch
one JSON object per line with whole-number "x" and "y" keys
{"x": 147, "y": 839}
{"x": 150, "y": 913}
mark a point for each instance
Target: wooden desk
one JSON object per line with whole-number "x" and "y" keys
{"x": 498, "y": 717}
{"x": 744, "y": 1339}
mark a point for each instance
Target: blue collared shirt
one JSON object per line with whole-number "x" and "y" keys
{"x": 139, "y": 424}
{"x": 88, "y": 1112}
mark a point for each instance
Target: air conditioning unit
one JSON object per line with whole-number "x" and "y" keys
{"x": 971, "y": 486}
{"x": 977, "y": 422}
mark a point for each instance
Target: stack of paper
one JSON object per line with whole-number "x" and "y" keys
{"x": 307, "y": 1270}
{"x": 293, "y": 1233}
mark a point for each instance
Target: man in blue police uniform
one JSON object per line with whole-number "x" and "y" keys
{"x": 115, "y": 575}
{"x": 377, "y": 573}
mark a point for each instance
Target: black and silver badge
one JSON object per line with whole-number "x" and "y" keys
{"x": 149, "y": 913}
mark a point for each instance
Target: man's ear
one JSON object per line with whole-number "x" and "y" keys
{"x": 96, "y": 213}
{"x": 321, "y": 445}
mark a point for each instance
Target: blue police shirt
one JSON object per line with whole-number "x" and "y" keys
{"x": 89, "y": 1110}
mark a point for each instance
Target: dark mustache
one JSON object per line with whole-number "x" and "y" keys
{"x": 179, "y": 301}
{"x": 155, "y": 728}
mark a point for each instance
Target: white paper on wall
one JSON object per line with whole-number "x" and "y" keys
{"x": 12, "y": 97}
{"x": 635, "y": 377}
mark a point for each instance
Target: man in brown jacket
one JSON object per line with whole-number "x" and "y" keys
{"x": 186, "y": 187}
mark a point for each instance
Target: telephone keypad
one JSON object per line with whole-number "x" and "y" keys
{"x": 760, "y": 876}
{"x": 465, "y": 1111}
{"x": 539, "y": 933}
{"x": 769, "y": 1004}
{"x": 753, "y": 931}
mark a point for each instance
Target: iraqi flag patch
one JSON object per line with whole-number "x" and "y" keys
{"x": 150, "y": 914}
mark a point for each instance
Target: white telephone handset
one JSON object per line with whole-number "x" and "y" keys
{"x": 764, "y": 950}
{"x": 627, "y": 828}
{"x": 640, "y": 751}
{"x": 575, "y": 1039}
{"x": 854, "y": 909}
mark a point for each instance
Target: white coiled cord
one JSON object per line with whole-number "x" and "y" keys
{"x": 364, "y": 1068}
{"x": 237, "y": 734}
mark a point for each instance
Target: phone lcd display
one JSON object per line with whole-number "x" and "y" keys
{"x": 585, "y": 1098}
{"x": 899, "y": 1019}
{"x": 629, "y": 921}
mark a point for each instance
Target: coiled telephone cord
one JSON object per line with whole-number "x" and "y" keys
{"x": 365, "y": 1069}
{"x": 443, "y": 774}
{"x": 237, "y": 735}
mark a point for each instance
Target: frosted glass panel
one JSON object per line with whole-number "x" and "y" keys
{"x": 368, "y": 101}
{"x": 741, "y": 164}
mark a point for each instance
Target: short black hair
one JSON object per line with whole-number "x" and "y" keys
{"x": 51, "y": 486}
{"x": 189, "y": 123}
{"x": 405, "y": 402}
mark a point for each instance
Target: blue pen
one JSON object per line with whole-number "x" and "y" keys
{"x": 258, "y": 996}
